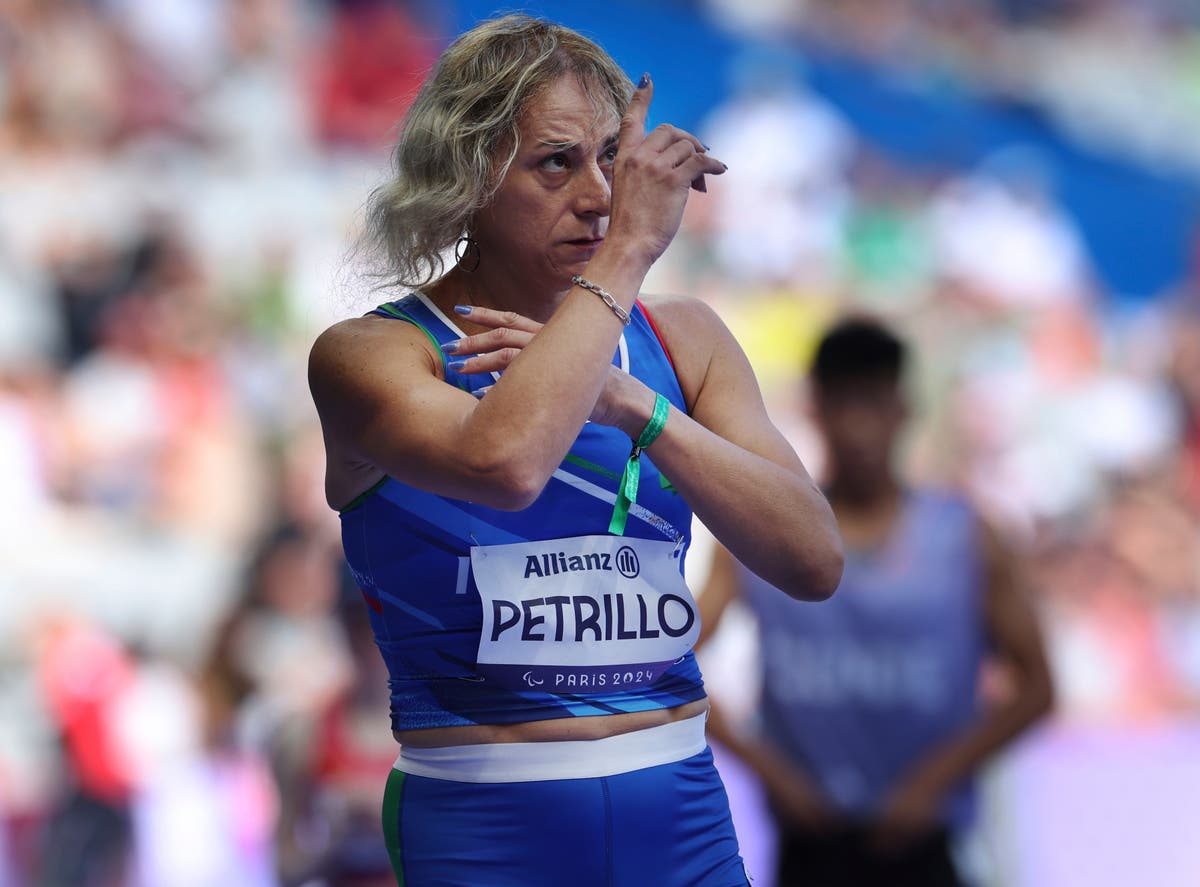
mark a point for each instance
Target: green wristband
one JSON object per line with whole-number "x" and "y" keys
{"x": 628, "y": 488}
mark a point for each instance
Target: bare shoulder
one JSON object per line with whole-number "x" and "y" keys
{"x": 693, "y": 333}
{"x": 357, "y": 369}
{"x": 682, "y": 314}
{"x": 362, "y": 352}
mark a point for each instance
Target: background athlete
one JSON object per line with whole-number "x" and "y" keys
{"x": 525, "y": 149}
{"x": 871, "y": 730}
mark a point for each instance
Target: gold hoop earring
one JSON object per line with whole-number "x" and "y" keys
{"x": 467, "y": 246}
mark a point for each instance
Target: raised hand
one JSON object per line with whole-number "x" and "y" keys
{"x": 652, "y": 176}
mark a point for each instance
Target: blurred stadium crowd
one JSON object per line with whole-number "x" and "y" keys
{"x": 188, "y": 692}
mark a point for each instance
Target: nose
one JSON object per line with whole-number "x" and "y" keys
{"x": 593, "y": 191}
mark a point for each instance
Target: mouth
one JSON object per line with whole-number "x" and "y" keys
{"x": 586, "y": 241}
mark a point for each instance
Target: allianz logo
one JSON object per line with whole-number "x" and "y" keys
{"x": 625, "y": 562}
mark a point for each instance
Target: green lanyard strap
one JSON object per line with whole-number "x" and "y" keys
{"x": 628, "y": 488}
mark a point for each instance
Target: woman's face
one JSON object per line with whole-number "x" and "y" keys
{"x": 550, "y": 213}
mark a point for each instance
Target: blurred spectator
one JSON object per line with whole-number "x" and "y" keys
{"x": 780, "y": 220}
{"x": 278, "y": 664}
{"x": 1185, "y": 379}
{"x": 85, "y": 677}
{"x": 372, "y": 66}
{"x": 350, "y": 755}
{"x": 888, "y": 246}
{"x": 999, "y": 234}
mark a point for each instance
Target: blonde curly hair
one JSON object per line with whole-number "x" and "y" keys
{"x": 461, "y": 134}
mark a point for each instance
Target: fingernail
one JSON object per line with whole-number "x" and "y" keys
{"x": 724, "y": 166}
{"x": 457, "y": 365}
{"x": 644, "y": 82}
{"x": 480, "y": 392}
{"x": 706, "y": 148}
{"x": 451, "y": 347}
{"x": 462, "y": 309}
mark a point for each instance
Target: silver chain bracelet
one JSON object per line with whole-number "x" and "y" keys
{"x": 622, "y": 314}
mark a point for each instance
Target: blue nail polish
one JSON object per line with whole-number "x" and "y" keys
{"x": 706, "y": 148}
{"x": 457, "y": 365}
{"x": 452, "y": 346}
{"x": 462, "y": 309}
{"x": 644, "y": 82}
{"x": 724, "y": 166}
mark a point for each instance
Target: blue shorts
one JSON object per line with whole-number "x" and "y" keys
{"x": 659, "y": 826}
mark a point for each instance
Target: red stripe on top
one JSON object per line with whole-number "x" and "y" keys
{"x": 373, "y": 602}
{"x": 657, "y": 334}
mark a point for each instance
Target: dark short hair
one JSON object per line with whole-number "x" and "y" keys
{"x": 858, "y": 349}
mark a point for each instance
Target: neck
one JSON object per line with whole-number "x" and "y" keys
{"x": 496, "y": 289}
{"x": 858, "y": 495}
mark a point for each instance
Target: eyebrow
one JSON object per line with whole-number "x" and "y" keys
{"x": 568, "y": 145}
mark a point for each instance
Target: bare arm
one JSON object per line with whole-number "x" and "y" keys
{"x": 720, "y": 588}
{"x": 733, "y": 466}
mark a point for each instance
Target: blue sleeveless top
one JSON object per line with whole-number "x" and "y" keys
{"x": 858, "y": 688}
{"x": 410, "y": 553}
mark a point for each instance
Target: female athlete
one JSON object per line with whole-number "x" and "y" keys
{"x": 517, "y": 446}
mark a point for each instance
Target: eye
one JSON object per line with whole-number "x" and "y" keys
{"x": 556, "y": 161}
{"x": 610, "y": 154}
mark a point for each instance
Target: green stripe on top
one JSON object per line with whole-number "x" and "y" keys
{"x": 591, "y": 466}
{"x": 393, "y": 795}
{"x": 392, "y": 310}
{"x": 363, "y": 496}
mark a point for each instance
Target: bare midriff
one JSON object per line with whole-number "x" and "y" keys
{"x": 554, "y": 730}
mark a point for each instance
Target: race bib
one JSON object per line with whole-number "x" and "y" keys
{"x": 584, "y": 614}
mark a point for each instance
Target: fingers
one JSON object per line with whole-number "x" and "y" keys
{"x": 495, "y": 319}
{"x": 633, "y": 124}
{"x": 491, "y": 362}
{"x": 677, "y": 147}
{"x": 689, "y": 166}
{"x": 678, "y": 154}
{"x": 486, "y": 352}
{"x": 701, "y": 165}
{"x": 665, "y": 136}
{"x": 492, "y": 340}
{"x": 494, "y": 350}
